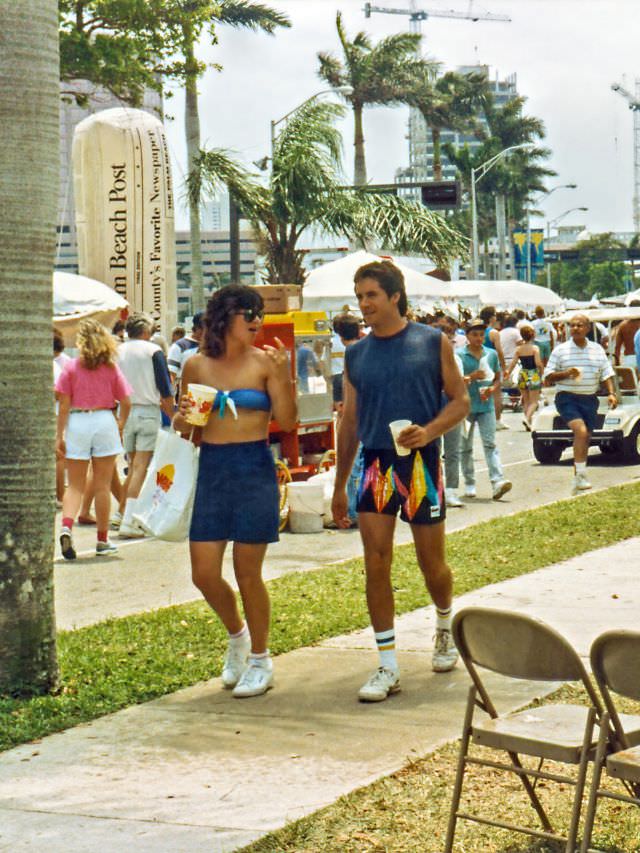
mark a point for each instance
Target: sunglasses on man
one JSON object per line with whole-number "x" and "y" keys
{"x": 251, "y": 314}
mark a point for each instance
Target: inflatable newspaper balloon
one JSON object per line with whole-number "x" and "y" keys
{"x": 76, "y": 297}
{"x": 124, "y": 209}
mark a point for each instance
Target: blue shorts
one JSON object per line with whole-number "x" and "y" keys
{"x": 573, "y": 407}
{"x": 237, "y": 495}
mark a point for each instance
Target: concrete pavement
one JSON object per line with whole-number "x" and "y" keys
{"x": 199, "y": 769}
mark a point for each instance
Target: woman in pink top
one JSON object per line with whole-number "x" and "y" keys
{"x": 90, "y": 389}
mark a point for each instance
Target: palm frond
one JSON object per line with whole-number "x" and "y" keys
{"x": 215, "y": 169}
{"x": 254, "y": 16}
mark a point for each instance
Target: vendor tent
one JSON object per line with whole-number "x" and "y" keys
{"x": 76, "y": 297}
{"x": 505, "y": 295}
{"x": 330, "y": 287}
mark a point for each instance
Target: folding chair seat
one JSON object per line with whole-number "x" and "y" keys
{"x": 615, "y": 662}
{"x": 521, "y": 647}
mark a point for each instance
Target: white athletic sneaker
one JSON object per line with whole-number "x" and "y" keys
{"x": 66, "y": 544}
{"x": 470, "y": 491}
{"x": 382, "y": 683}
{"x": 115, "y": 521}
{"x": 445, "y": 654}
{"x": 501, "y": 488}
{"x": 235, "y": 663}
{"x": 130, "y": 531}
{"x": 500, "y": 425}
{"x": 106, "y": 549}
{"x": 451, "y": 498}
{"x": 580, "y": 482}
{"x": 254, "y": 681}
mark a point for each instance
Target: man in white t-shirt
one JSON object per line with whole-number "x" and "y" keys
{"x": 545, "y": 336}
{"x": 183, "y": 349}
{"x": 576, "y": 368}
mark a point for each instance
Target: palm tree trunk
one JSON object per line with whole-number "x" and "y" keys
{"x": 192, "y": 130}
{"x": 359, "y": 164}
{"x": 437, "y": 156}
{"x": 29, "y": 175}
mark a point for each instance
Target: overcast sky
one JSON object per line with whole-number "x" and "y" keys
{"x": 565, "y": 53}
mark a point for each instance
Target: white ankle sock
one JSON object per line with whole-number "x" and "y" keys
{"x": 241, "y": 638}
{"x": 263, "y": 659}
{"x": 386, "y": 643}
{"x": 581, "y": 467}
{"x": 443, "y": 618}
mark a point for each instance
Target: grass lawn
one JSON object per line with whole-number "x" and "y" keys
{"x": 126, "y": 661}
{"x": 408, "y": 811}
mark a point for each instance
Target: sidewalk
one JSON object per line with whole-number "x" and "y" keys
{"x": 200, "y": 770}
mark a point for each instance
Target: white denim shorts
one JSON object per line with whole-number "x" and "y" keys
{"x": 141, "y": 428}
{"x": 92, "y": 434}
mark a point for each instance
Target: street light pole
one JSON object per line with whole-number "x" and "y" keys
{"x": 528, "y": 244}
{"x": 555, "y": 221}
{"x": 477, "y": 174}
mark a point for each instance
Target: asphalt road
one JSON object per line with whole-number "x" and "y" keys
{"x": 148, "y": 574}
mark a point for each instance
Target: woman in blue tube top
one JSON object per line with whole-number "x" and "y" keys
{"x": 236, "y": 493}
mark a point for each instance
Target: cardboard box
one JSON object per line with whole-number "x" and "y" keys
{"x": 280, "y": 298}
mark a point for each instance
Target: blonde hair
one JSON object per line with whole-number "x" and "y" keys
{"x": 96, "y": 344}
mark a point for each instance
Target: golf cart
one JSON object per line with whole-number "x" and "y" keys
{"x": 617, "y": 430}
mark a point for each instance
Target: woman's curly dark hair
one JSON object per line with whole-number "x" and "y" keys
{"x": 221, "y": 309}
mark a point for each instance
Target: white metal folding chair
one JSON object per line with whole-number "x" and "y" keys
{"x": 521, "y": 647}
{"x": 615, "y": 662}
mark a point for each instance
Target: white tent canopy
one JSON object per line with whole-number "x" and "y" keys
{"x": 76, "y": 297}
{"x": 505, "y": 295}
{"x": 330, "y": 287}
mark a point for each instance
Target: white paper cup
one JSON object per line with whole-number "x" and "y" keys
{"x": 202, "y": 397}
{"x": 396, "y": 428}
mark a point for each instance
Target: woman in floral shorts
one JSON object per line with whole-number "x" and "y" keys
{"x": 527, "y": 355}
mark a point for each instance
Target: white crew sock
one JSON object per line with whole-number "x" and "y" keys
{"x": 242, "y": 638}
{"x": 443, "y": 618}
{"x": 262, "y": 660}
{"x": 386, "y": 643}
{"x": 581, "y": 467}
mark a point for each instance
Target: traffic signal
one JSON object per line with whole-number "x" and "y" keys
{"x": 440, "y": 195}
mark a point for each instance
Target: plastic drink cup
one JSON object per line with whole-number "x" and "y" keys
{"x": 202, "y": 397}
{"x": 396, "y": 428}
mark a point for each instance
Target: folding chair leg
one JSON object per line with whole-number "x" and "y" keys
{"x": 580, "y": 782}
{"x": 462, "y": 757}
{"x": 598, "y": 764}
{"x": 535, "y": 802}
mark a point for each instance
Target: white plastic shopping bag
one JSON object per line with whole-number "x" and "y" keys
{"x": 166, "y": 500}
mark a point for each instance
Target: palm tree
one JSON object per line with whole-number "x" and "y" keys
{"x": 29, "y": 191}
{"x": 376, "y": 74}
{"x": 305, "y": 191}
{"x": 184, "y": 21}
{"x": 450, "y": 101}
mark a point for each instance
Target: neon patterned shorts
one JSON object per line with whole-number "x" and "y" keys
{"x": 413, "y": 484}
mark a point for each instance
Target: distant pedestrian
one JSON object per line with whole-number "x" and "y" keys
{"x": 177, "y": 332}
{"x": 527, "y": 355}
{"x": 545, "y": 336}
{"x": 491, "y": 340}
{"x": 183, "y": 349}
{"x": 576, "y": 368}
{"x": 625, "y": 351}
{"x": 482, "y": 377}
{"x": 145, "y": 368}
{"x": 307, "y": 365}
{"x": 90, "y": 389}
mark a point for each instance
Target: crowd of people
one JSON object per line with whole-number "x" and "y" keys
{"x": 440, "y": 375}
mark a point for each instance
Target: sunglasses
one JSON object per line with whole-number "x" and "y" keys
{"x": 251, "y": 314}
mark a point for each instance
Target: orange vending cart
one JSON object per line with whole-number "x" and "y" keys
{"x": 307, "y": 337}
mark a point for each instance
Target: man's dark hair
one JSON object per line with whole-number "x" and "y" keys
{"x": 197, "y": 321}
{"x": 58, "y": 341}
{"x": 487, "y": 312}
{"x": 389, "y": 277}
{"x": 510, "y": 321}
{"x": 221, "y": 309}
{"x": 347, "y": 326}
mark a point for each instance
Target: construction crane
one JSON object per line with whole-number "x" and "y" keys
{"x": 634, "y": 106}
{"x": 416, "y": 16}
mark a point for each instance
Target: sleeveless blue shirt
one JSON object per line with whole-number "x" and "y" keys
{"x": 395, "y": 377}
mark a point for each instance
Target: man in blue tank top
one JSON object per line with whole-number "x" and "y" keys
{"x": 399, "y": 371}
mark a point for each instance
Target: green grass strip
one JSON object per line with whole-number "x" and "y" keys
{"x": 126, "y": 661}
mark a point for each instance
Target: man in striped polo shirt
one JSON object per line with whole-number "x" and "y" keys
{"x": 577, "y": 367}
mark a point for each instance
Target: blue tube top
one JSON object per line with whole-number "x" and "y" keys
{"x": 246, "y": 398}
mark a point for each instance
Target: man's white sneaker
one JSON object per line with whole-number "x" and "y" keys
{"x": 469, "y": 491}
{"x": 106, "y": 549}
{"x": 500, "y": 425}
{"x": 130, "y": 531}
{"x": 235, "y": 663}
{"x": 115, "y": 521}
{"x": 66, "y": 544}
{"x": 445, "y": 654}
{"x": 451, "y": 498}
{"x": 580, "y": 483}
{"x": 254, "y": 681}
{"x": 501, "y": 488}
{"x": 382, "y": 683}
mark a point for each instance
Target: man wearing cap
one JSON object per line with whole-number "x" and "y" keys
{"x": 481, "y": 369}
{"x": 399, "y": 371}
{"x": 145, "y": 368}
{"x": 184, "y": 348}
{"x": 576, "y": 368}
